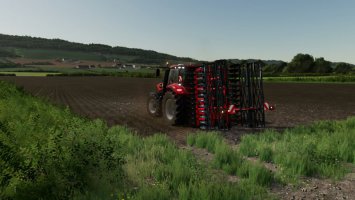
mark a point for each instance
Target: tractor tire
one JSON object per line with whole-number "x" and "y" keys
{"x": 173, "y": 109}
{"x": 154, "y": 106}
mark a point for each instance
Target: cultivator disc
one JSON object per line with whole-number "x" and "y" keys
{"x": 235, "y": 91}
{"x": 214, "y": 88}
{"x": 190, "y": 86}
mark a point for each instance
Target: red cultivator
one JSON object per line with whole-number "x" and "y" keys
{"x": 214, "y": 95}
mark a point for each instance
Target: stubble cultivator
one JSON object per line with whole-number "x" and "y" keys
{"x": 215, "y": 95}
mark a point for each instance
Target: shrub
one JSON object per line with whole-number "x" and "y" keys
{"x": 48, "y": 153}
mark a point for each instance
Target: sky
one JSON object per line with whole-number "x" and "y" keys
{"x": 200, "y": 29}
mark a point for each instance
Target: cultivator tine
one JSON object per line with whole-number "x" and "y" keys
{"x": 259, "y": 95}
{"x": 221, "y": 95}
{"x": 189, "y": 83}
{"x": 234, "y": 90}
{"x": 252, "y": 96}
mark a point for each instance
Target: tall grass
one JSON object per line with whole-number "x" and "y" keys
{"x": 320, "y": 149}
{"x": 230, "y": 160}
{"x": 161, "y": 171}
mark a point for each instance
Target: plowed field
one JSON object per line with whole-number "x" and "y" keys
{"x": 122, "y": 101}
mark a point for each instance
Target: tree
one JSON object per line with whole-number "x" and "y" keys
{"x": 301, "y": 63}
{"x": 274, "y": 68}
{"x": 322, "y": 66}
{"x": 343, "y": 68}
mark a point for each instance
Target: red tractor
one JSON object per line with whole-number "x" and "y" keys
{"x": 213, "y": 95}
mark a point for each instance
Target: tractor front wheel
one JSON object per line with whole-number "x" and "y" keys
{"x": 153, "y": 106}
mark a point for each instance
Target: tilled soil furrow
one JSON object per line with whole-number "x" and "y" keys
{"x": 122, "y": 101}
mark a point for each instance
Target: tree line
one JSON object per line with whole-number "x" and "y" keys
{"x": 305, "y": 63}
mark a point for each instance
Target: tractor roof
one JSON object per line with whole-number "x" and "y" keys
{"x": 176, "y": 66}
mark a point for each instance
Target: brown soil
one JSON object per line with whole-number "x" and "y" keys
{"x": 118, "y": 101}
{"x": 313, "y": 188}
{"x": 122, "y": 101}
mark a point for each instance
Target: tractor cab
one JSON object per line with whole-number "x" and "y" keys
{"x": 176, "y": 72}
{"x": 173, "y": 75}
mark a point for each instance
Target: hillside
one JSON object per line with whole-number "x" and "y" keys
{"x": 21, "y": 51}
{"x": 40, "y": 48}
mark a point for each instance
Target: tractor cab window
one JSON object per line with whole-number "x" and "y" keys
{"x": 174, "y": 75}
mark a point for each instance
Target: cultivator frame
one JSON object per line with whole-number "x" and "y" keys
{"x": 219, "y": 95}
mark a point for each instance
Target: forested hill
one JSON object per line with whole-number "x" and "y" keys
{"x": 139, "y": 55}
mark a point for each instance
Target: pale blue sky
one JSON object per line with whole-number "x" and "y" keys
{"x": 201, "y": 29}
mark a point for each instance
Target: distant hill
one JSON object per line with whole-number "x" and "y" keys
{"x": 267, "y": 62}
{"x": 41, "y": 48}
{"x": 34, "y": 48}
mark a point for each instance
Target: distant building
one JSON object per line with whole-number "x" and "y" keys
{"x": 129, "y": 66}
{"x": 85, "y": 66}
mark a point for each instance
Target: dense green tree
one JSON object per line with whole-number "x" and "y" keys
{"x": 301, "y": 63}
{"x": 274, "y": 68}
{"x": 322, "y": 66}
{"x": 343, "y": 68}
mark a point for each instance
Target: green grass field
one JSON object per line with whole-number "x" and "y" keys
{"x": 31, "y": 73}
{"x": 56, "y": 71}
{"x": 74, "y": 55}
{"x": 313, "y": 79}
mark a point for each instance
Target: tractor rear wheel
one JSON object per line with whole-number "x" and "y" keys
{"x": 153, "y": 106}
{"x": 173, "y": 109}
{"x": 169, "y": 108}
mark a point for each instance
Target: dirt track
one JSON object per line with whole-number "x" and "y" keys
{"x": 123, "y": 101}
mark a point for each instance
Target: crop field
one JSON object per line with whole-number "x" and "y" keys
{"x": 122, "y": 101}
{"x": 54, "y": 54}
{"x": 30, "y": 73}
{"x": 306, "y": 162}
{"x": 313, "y": 79}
